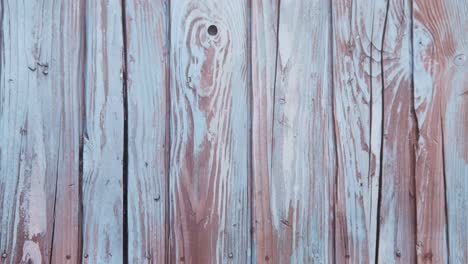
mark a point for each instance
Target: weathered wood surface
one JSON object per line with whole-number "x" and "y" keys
{"x": 264, "y": 37}
{"x": 264, "y": 131}
{"x": 357, "y": 118}
{"x": 147, "y": 39}
{"x": 397, "y": 220}
{"x": 210, "y": 146}
{"x": 454, "y": 124}
{"x": 102, "y": 180}
{"x": 440, "y": 94}
{"x": 40, "y": 125}
{"x": 295, "y": 194}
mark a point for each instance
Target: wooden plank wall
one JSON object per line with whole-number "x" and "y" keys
{"x": 234, "y": 131}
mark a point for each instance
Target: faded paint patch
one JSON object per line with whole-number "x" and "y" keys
{"x": 31, "y": 253}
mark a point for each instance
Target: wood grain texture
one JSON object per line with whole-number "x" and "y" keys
{"x": 264, "y": 33}
{"x": 440, "y": 70}
{"x": 358, "y": 29}
{"x": 40, "y": 126}
{"x": 296, "y": 196}
{"x": 218, "y": 131}
{"x": 210, "y": 124}
{"x": 455, "y": 132}
{"x": 148, "y": 125}
{"x": 103, "y": 134}
{"x": 397, "y": 236}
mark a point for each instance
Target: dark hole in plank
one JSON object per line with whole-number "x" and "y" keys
{"x": 212, "y": 30}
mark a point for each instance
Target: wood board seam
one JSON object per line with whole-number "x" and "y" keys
{"x": 274, "y": 80}
{"x": 444, "y": 174}
{"x": 55, "y": 202}
{"x": 252, "y": 233}
{"x": 414, "y": 118}
{"x": 84, "y": 132}
{"x": 333, "y": 110}
{"x": 125, "y": 133}
{"x": 379, "y": 202}
{"x": 168, "y": 139}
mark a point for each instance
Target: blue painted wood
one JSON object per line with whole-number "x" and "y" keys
{"x": 397, "y": 219}
{"x": 102, "y": 179}
{"x": 41, "y": 63}
{"x": 440, "y": 70}
{"x": 256, "y": 132}
{"x": 210, "y": 125}
{"x": 357, "y": 41}
{"x": 147, "y": 36}
{"x": 264, "y": 37}
{"x": 298, "y": 190}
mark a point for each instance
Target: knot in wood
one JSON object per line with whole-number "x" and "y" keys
{"x": 459, "y": 60}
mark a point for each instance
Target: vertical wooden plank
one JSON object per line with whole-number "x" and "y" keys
{"x": 397, "y": 236}
{"x": 358, "y": 30}
{"x": 264, "y": 21}
{"x": 300, "y": 187}
{"x": 103, "y": 134}
{"x": 23, "y": 158}
{"x": 210, "y": 123}
{"x": 455, "y": 131}
{"x": 40, "y": 124}
{"x": 440, "y": 70}
{"x": 455, "y": 139}
{"x": 67, "y": 52}
{"x": 23, "y": 177}
{"x": 148, "y": 122}
{"x": 67, "y": 64}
